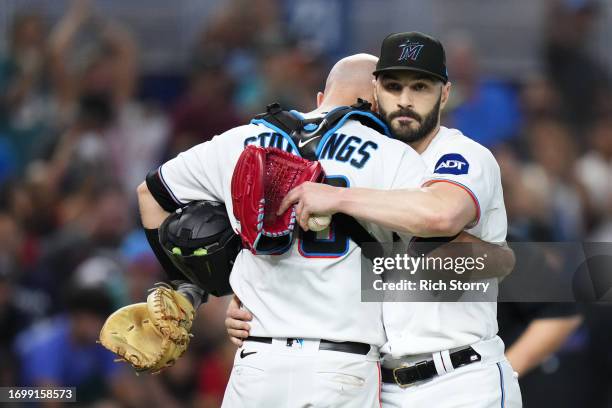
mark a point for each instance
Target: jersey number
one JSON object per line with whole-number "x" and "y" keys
{"x": 330, "y": 243}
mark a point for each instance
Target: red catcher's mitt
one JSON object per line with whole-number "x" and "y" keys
{"x": 262, "y": 178}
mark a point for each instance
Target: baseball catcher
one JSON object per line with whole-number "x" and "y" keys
{"x": 197, "y": 247}
{"x": 196, "y": 243}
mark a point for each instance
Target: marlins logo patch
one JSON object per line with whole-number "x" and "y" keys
{"x": 410, "y": 51}
{"x": 452, "y": 163}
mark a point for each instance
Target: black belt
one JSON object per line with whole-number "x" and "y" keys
{"x": 425, "y": 370}
{"x": 344, "y": 346}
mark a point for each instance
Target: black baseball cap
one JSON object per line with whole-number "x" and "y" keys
{"x": 412, "y": 51}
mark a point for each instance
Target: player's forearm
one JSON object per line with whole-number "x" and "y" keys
{"x": 126, "y": 52}
{"x": 63, "y": 35}
{"x": 542, "y": 338}
{"x": 418, "y": 212}
{"x": 151, "y": 213}
{"x": 60, "y": 41}
{"x": 499, "y": 258}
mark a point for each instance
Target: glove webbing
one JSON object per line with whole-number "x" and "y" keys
{"x": 277, "y": 187}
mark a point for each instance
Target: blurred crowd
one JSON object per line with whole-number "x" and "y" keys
{"x": 76, "y": 139}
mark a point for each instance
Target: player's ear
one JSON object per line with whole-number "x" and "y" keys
{"x": 375, "y": 98}
{"x": 320, "y": 97}
{"x": 374, "y": 103}
{"x": 445, "y": 94}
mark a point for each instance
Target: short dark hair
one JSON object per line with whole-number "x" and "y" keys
{"x": 94, "y": 300}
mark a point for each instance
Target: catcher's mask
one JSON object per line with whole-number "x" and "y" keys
{"x": 200, "y": 241}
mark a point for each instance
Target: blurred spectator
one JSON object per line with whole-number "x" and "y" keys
{"x": 11, "y": 241}
{"x": 26, "y": 109}
{"x": 526, "y": 210}
{"x": 539, "y": 98}
{"x": 238, "y": 34}
{"x": 579, "y": 75}
{"x": 107, "y": 62}
{"x": 176, "y": 386}
{"x": 246, "y": 25}
{"x": 20, "y": 246}
{"x": 129, "y": 136}
{"x": 548, "y": 353}
{"x": 209, "y": 325}
{"x": 206, "y": 109}
{"x": 263, "y": 58}
{"x": 215, "y": 369}
{"x": 104, "y": 270}
{"x": 594, "y": 171}
{"x": 319, "y": 26}
{"x": 599, "y": 322}
{"x": 143, "y": 269}
{"x": 94, "y": 225}
{"x": 484, "y": 108}
{"x": 18, "y": 307}
{"x": 32, "y": 206}
{"x": 215, "y": 366}
{"x": 82, "y": 154}
{"x": 291, "y": 75}
{"x": 550, "y": 179}
{"x": 538, "y": 334}
{"x": 62, "y": 351}
{"x": 8, "y": 159}
{"x": 12, "y": 319}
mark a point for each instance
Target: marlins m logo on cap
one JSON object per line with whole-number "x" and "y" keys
{"x": 410, "y": 50}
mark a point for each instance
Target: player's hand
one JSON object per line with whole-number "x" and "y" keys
{"x": 311, "y": 198}
{"x": 236, "y": 322}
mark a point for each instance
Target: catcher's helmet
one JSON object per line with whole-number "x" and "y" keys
{"x": 200, "y": 241}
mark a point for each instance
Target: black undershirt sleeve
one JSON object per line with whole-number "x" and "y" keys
{"x": 160, "y": 192}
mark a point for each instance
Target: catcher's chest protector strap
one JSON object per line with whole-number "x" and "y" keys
{"x": 308, "y": 136}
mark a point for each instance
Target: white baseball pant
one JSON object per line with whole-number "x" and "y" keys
{"x": 489, "y": 383}
{"x": 277, "y": 375}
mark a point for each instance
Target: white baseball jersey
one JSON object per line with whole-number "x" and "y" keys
{"x": 313, "y": 289}
{"x": 425, "y": 327}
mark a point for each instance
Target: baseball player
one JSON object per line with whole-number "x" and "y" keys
{"x": 312, "y": 343}
{"x": 432, "y": 349}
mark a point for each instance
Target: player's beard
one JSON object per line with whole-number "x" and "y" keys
{"x": 406, "y": 133}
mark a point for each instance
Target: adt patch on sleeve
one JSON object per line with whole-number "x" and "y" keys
{"x": 452, "y": 163}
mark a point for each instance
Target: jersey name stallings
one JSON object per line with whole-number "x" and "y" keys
{"x": 338, "y": 146}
